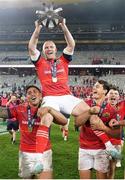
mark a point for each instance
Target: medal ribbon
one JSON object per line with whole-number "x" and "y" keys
{"x": 31, "y": 120}
{"x": 118, "y": 117}
{"x": 102, "y": 108}
{"x": 53, "y": 69}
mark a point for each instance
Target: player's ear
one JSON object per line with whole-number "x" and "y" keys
{"x": 43, "y": 52}
{"x": 106, "y": 91}
{"x": 56, "y": 49}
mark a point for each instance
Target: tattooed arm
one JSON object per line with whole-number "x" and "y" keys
{"x": 4, "y": 112}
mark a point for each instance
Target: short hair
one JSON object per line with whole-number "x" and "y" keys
{"x": 115, "y": 88}
{"x": 30, "y": 86}
{"x": 105, "y": 84}
{"x": 46, "y": 42}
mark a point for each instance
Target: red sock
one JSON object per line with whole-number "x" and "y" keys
{"x": 42, "y": 137}
{"x": 66, "y": 133}
{"x": 62, "y": 129}
{"x": 102, "y": 136}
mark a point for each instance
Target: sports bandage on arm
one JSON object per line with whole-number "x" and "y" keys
{"x": 36, "y": 55}
{"x": 65, "y": 51}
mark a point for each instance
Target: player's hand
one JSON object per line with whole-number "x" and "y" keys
{"x": 96, "y": 123}
{"x": 62, "y": 23}
{"x": 42, "y": 111}
{"x": 38, "y": 24}
{"x": 94, "y": 110}
{"x": 113, "y": 123}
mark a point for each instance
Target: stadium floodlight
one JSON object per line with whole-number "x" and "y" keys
{"x": 49, "y": 17}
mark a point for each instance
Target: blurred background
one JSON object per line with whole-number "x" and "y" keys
{"x": 98, "y": 27}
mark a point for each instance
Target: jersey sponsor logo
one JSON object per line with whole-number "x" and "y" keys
{"x": 58, "y": 71}
{"x": 47, "y": 72}
{"x": 106, "y": 115}
{"x": 26, "y": 122}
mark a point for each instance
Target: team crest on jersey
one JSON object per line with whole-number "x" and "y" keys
{"x": 106, "y": 115}
{"x": 57, "y": 61}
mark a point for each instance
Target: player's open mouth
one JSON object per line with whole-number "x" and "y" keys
{"x": 49, "y": 52}
{"x": 113, "y": 99}
{"x": 94, "y": 92}
{"x": 33, "y": 98}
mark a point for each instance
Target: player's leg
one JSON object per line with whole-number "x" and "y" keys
{"x": 85, "y": 164}
{"x": 15, "y": 126}
{"x": 54, "y": 103}
{"x": 29, "y": 164}
{"x": 65, "y": 130}
{"x": 100, "y": 175}
{"x": 112, "y": 168}
{"x": 74, "y": 106}
{"x": 110, "y": 148}
{"x": 13, "y": 136}
{"x": 46, "y": 175}
{"x": 80, "y": 108}
{"x": 119, "y": 147}
{"x": 9, "y": 129}
{"x": 85, "y": 174}
{"x": 47, "y": 172}
{"x": 42, "y": 135}
{"x": 111, "y": 173}
{"x": 101, "y": 164}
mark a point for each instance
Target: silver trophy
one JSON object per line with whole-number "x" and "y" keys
{"x": 49, "y": 17}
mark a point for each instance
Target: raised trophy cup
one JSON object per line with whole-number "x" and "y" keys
{"x": 49, "y": 17}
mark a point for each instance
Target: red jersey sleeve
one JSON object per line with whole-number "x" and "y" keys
{"x": 12, "y": 112}
{"x": 121, "y": 109}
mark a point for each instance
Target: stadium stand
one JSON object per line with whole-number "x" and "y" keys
{"x": 80, "y": 81}
{"x": 79, "y": 57}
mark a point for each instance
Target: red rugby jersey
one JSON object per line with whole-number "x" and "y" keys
{"x": 88, "y": 139}
{"x": 49, "y": 88}
{"x": 4, "y": 100}
{"x": 27, "y": 138}
{"x": 121, "y": 109}
{"x": 12, "y": 105}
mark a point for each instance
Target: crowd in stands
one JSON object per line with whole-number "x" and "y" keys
{"x": 80, "y": 82}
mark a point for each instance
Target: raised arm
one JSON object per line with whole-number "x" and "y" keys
{"x": 32, "y": 47}
{"x": 68, "y": 37}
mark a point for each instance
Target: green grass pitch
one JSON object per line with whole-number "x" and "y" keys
{"x": 65, "y": 155}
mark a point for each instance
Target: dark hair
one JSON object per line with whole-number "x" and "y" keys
{"x": 114, "y": 87}
{"x": 105, "y": 84}
{"x": 30, "y": 86}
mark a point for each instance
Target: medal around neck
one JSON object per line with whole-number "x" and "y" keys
{"x": 49, "y": 17}
{"x": 54, "y": 79}
{"x": 31, "y": 124}
{"x": 30, "y": 128}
